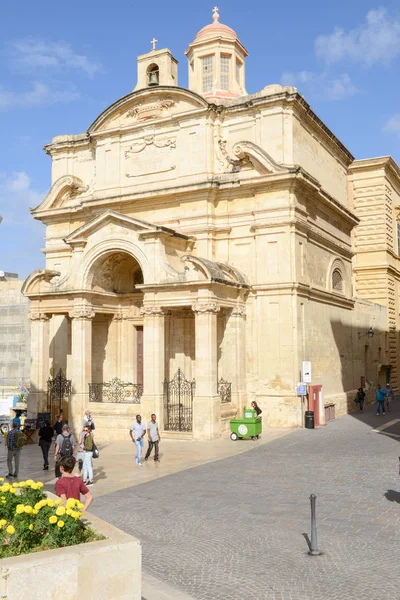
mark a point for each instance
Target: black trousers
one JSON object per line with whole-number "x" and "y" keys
{"x": 150, "y": 448}
{"x": 45, "y": 446}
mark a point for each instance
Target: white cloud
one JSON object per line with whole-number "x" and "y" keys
{"x": 16, "y": 196}
{"x": 375, "y": 41}
{"x": 321, "y": 86}
{"x": 39, "y": 95}
{"x": 393, "y": 125}
{"x": 35, "y": 54}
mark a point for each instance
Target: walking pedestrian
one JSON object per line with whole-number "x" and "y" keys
{"x": 360, "y": 397}
{"x": 15, "y": 441}
{"x": 58, "y": 425}
{"x": 380, "y": 400}
{"x": 45, "y": 438}
{"x": 65, "y": 445}
{"x": 137, "y": 433}
{"x": 389, "y": 396}
{"x": 86, "y": 443}
{"x": 88, "y": 420}
{"x": 17, "y": 419}
{"x": 70, "y": 486}
{"x": 154, "y": 438}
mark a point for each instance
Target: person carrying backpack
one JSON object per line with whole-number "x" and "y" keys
{"x": 65, "y": 445}
{"x": 15, "y": 441}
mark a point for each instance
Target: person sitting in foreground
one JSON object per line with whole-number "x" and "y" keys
{"x": 70, "y": 486}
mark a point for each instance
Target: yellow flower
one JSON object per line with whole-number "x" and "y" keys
{"x": 79, "y": 514}
{"x": 81, "y": 506}
{"x": 6, "y": 486}
{"x": 3, "y": 522}
{"x": 22, "y": 484}
{"x": 38, "y": 506}
{"x": 60, "y": 511}
{"x": 28, "y": 509}
{"x": 43, "y": 503}
{"x": 1, "y": 478}
{"x": 50, "y": 503}
{"x": 10, "y": 529}
{"x": 60, "y": 524}
{"x": 69, "y": 512}
{"x": 20, "y": 509}
{"x": 35, "y": 511}
{"x": 39, "y": 485}
{"x": 70, "y": 503}
{"x": 31, "y": 526}
{"x": 13, "y": 491}
{"x": 15, "y": 484}
{"x": 29, "y": 481}
{"x": 52, "y": 520}
{"x": 34, "y": 486}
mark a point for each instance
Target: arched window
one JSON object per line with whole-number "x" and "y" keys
{"x": 153, "y": 75}
{"x": 337, "y": 281}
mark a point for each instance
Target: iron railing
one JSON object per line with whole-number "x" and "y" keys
{"x": 178, "y": 403}
{"x": 116, "y": 391}
{"x": 225, "y": 390}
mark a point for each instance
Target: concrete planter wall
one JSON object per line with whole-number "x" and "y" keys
{"x": 110, "y": 568}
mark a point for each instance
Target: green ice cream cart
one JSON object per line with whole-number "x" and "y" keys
{"x": 249, "y": 426}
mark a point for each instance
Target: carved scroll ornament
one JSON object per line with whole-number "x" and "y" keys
{"x": 38, "y": 316}
{"x": 151, "y": 310}
{"x": 206, "y": 307}
{"x": 82, "y": 312}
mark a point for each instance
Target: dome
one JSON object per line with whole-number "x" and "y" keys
{"x": 216, "y": 29}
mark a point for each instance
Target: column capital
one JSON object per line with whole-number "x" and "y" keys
{"x": 38, "y": 316}
{"x": 206, "y": 307}
{"x": 82, "y": 312}
{"x": 147, "y": 311}
{"x": 239, "y": 311}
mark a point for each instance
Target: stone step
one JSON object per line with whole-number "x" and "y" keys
{"x": 176, "y": 435}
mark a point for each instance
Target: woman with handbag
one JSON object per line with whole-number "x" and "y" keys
{"x": 87, "y": 445}
{"x": 45, "y": 437}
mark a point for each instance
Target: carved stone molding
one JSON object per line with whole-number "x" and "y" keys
{"x": 147, "y": 311}
{"x": 143, "y": 110}
{"x": 206, "y": 307}
{"x": 150, "y": 140}
{"x": 118, "y": 317}
{"x": 38, "y": 316}
{"x": 239, "y": 311}
{"x": 82, "y": 312}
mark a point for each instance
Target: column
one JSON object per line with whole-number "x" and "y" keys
{"x": 154, "y": 363}
{"x": 128, "y": 351}
{"x": 81, "y": 372}
{"x": 37, "y": 398}
{"x": 207, "y": 405}
{"x": 237, "y": 321}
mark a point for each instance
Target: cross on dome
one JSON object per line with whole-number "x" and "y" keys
{"x": 154, "y": 42}
{"x": 216, "y": 13}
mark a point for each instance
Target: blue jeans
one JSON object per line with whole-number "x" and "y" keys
{"x": 87, "y": 466}
{"x": 139, "y": 447}
{"x": 380, "y": 405}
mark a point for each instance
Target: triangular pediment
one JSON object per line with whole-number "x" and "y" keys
{"x": 147, "y": 105}
{"x": 81, "y": 235}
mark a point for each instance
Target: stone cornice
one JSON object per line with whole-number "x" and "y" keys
{"x": 307, "y": 291}
{"x": 369, "y": 165}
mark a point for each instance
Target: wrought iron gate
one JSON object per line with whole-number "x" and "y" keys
{"x": 178, "y": 403}
{"x": 58, "y": 394}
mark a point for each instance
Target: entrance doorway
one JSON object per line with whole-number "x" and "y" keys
{"x": 178, "y": 403}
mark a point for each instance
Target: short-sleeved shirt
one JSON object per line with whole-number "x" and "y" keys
{"x": 153, "y": 431}
{"x": 60, "y": 439}
{"x": 72, "y": 487}
{"x": 139, "y": 429}
{"x": 380, "y": 394}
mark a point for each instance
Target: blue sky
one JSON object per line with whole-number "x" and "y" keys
{"x": 61, "y": 64}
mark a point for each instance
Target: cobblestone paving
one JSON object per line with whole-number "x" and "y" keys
{"x": 233, "y": 529}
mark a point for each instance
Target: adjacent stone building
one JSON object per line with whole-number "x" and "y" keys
{"x": 199, "y": 247}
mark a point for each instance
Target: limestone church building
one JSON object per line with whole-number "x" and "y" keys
{"x": 201, "y": 244}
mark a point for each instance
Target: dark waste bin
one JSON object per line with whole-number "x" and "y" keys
{"x": 309, "y": 420}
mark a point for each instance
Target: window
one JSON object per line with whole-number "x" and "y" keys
{"x": 238, "y": 67}
{"x": 225, "y": 66}
{"x": 207, "y": 73}
{"x": 337, "y": 281}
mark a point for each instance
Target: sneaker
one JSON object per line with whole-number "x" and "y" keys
{"x": 46, "y": 468}
{"x": 156, "y": 460}
{"x": 15, "y": 475}
{"x": 146, "y": 458}
{"x": 378, "y": 414}
{"x": 140, "y": 464}
{"x": 384, "y": 414}
{"x": 9, "y": 475}
{"x": 136, "y": 460}
{"x": 90, "y": 483}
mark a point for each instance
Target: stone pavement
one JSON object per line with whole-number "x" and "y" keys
{"x": 234, "y": 528}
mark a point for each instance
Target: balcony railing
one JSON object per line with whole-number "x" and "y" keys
{"x": 116, "y": 391}
{"x": 225, "y": 390}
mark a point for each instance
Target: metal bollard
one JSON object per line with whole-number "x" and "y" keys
{"x": 314, "y": 546}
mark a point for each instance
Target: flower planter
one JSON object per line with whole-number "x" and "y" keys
{"x": 101, "y": 570}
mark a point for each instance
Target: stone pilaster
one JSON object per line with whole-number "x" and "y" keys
{"x": 81, "y": 372}
{"x": 37, "y": 398}
{"x": 207, "y": 405}
{"x": 154, "y": 363}
{"x": 237, "y": 326}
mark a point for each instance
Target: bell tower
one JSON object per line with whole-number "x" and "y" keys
{"x": 157, "y": 67}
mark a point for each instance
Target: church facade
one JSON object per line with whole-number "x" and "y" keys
{"x": 200, "y": 245}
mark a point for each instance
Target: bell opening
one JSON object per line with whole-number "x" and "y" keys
{"x": 153, "y": 76}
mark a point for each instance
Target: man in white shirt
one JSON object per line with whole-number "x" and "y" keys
{"x": 137, "y": 433}
{"x": 154, "y": 438}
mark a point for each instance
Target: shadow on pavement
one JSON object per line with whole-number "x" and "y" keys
{"x": 392, "y": 496}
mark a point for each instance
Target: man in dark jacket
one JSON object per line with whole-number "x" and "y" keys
{"x": 45, "y": 437}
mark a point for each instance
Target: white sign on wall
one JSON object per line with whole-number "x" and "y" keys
{"x": 306, "y": 371}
